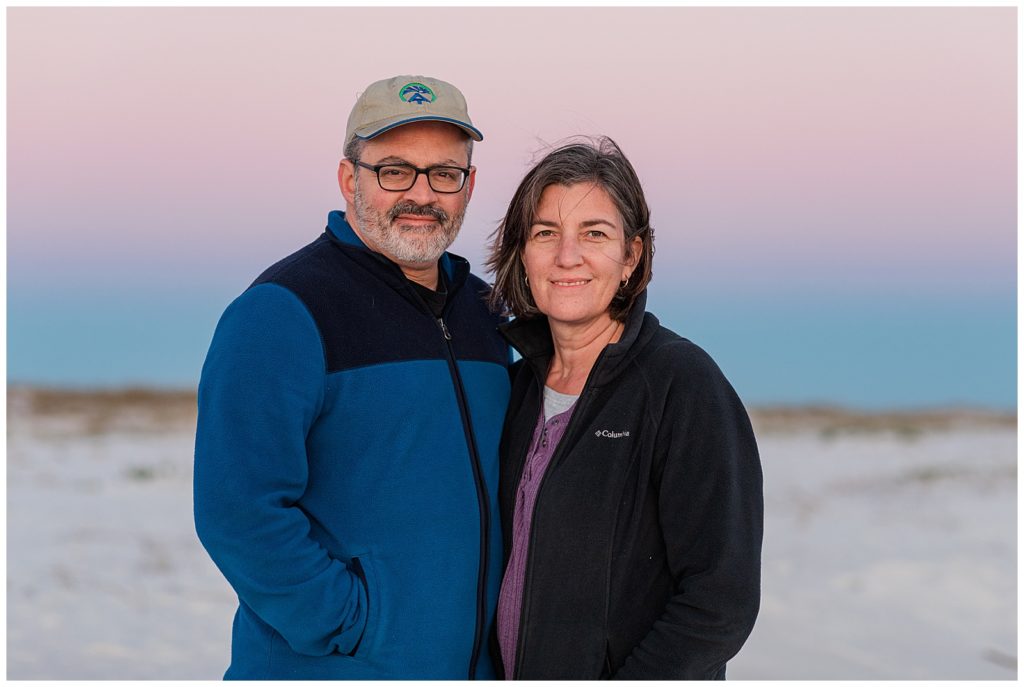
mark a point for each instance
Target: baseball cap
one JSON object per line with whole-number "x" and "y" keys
{"x": 404, "y": 99}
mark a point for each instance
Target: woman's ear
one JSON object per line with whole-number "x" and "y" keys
{"x": 633, "y": 250}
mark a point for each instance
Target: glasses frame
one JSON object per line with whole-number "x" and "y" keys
{"x": 419, "y": 170}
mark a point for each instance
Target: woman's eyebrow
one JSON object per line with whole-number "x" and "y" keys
{"x": 593, "y": 222}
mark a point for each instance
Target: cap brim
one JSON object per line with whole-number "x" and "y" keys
{"x": 376, "y": 129}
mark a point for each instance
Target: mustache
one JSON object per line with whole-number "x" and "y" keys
{"x": 410, "y": 208}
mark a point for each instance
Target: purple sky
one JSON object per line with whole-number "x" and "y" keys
{"x": 855, "y": 152}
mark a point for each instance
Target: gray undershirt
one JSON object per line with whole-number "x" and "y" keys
{"x": 556, "y": 403}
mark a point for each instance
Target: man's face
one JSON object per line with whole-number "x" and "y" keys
{"x": 414, "y": 227}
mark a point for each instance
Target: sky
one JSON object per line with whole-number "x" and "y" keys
{"x": 833, "y": 190}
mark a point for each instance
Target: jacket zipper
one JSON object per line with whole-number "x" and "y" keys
{"x": 559, "y": 450}
{"x": 482, "y": 499}
{"x": 474, "y": 458}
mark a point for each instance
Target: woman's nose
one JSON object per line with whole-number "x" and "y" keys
{"x": 569, "y": 253}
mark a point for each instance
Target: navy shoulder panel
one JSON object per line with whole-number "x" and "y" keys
{"x": 368, "y": 314}
{"x": 296, "y": 263}
{"x": 477, "y": 327}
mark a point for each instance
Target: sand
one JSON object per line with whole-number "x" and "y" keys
{"x": 890, "y": 544}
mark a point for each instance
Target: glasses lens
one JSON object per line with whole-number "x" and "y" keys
{"x": 396, "y": 177}
{"x": 446, "y": 179}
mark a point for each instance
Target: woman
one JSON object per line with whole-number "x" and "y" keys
{"x": 630, "y": 480}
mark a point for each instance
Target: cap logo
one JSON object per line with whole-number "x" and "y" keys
{"x": 416, "y": 93}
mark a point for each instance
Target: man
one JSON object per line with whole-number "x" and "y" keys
{"x": 350, "y": 409}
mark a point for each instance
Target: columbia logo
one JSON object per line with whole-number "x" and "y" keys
{"x": 608, "y": 434}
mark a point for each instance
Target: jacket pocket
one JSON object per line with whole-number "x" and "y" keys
{"x": 363, "y": 567}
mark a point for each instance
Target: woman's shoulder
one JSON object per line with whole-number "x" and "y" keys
{"x": 665, "y": 348}
{"x": 671, "y": 361}
{"x": 683, "y": 377}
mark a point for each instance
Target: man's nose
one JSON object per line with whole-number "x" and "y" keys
{"x": 421, "y": 193}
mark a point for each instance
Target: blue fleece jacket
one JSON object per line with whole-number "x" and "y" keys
{"x": 346, "y": 468}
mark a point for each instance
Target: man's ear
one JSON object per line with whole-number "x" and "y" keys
{"x": 470, "y": 182}
{"x": 347, "y": 181}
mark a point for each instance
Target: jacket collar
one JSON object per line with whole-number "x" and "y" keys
{"x": 455, "y": 267}
{"x": 532, "y": 338}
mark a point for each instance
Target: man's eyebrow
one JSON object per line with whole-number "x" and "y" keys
{"x": 395, "y": 160}
{"x": 392, "y": 160}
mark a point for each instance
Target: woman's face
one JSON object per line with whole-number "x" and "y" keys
{"x": 575, "y": 254}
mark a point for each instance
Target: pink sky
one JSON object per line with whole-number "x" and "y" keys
{"x": 777, "y": 145}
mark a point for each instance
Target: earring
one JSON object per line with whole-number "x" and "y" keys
{"x": 527, "y": 280}
{"x": 624, "y": 282}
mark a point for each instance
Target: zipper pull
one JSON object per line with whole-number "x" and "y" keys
{"x": 444, "y": 329}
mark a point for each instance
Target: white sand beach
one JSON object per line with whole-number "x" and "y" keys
{"x": 890, "y": 546}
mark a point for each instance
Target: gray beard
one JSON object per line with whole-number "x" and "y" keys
{"x": 404, "y": 243}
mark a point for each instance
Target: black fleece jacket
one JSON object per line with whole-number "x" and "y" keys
{"x": 644, "y": 558}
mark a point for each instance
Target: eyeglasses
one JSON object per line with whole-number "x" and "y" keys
{"x": 442, "y": 178}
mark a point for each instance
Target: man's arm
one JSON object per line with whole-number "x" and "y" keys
{"x": 261, "y": 389}
{"x": 711, "y": 510}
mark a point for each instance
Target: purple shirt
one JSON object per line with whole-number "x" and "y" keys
{"x": 510, "y": 601}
